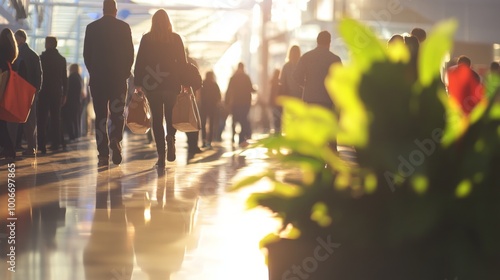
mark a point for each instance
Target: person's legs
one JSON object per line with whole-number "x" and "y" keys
{"x": 42, "y": 117}
{"x": 156, "y": 105}
{"x": 277, "y": 113}
{"x": 55, "y": 122}
{"x": 212, "y": 125}
{"x": 203, "y": 116}
{"x": 100, "y": 104}
{"x": 5, "y": 141}
{"x": 118, "y": 95}
{"x": 170, "y": 99}
{"x": 30, "y": 131}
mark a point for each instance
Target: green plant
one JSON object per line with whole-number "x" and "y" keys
{"x": 426, "y": 173}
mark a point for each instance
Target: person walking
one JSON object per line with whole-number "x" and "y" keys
{"x": 52, "y": 95}
{"x": 160, "y": 61}
{"x": 209, "y": 109}
{"x": 312, "y": 70}
{"x": 239, "y": 100}
{"x": 29, "y": 67}
{"x": 72, "y": 108}
{"x": 8, "y": 54}
{"x": 108, "y": 53}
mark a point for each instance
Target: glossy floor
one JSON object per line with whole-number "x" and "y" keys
{"x": 76, "y": 221}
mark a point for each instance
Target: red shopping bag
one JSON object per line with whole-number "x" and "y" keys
{"x": 15, "y": 104}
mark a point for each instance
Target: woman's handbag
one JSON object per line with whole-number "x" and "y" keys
{"x": 185, "y": 116}
{"x": 16, "y": 99}
{"x": 138, "y": 114}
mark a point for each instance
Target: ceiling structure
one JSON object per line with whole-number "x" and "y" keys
{"x": 209, "y": 27}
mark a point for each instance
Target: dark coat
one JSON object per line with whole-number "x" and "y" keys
{"x": 159, "y": 64}
{"x": 239, "y": 90}
{"x": 75, "y": 85}
{"x": 210, "y": 95}
{"x": 55, "y": 78}
{"x": 311, "y": 72}
{"x": 28, "y": 66}
{"x": 108, "y": 51}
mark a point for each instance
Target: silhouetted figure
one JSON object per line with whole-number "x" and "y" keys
{"x": 288, "y": 84}
{"x": 28, "y": 66}
{"x": 108, "y": 52}
{"x": 52, "y": 95}
{"x": 193, "y": 136}
{"x": 72, "y": 108}
{"x": 419, "y": 33}
{"x": 160, "y": 60}
{"x": 276, "y": 91}
{"x": 396, "y": 38}
{"x": 239, "y": 100}
{"x": 209, "y": 109}
{"x": 8, "y": 54}
{"x": 413, "y": 46}
{"x": 492, "y": 80}
{"x": 311, "y": 72}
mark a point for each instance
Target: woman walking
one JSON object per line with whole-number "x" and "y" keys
{"x": 159, "y": 64}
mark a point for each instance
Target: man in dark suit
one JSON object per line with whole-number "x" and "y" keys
{"x": 52, "y": 95}
{"x": 108, "y": 52}
{"x": 312, "y": 70}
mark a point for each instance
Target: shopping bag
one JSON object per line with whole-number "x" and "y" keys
{"x": 138, "y": 114}
{"x": 185, "y": 116}
{"x": 17, "y": 98}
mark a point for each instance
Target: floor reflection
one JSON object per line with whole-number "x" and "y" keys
{"x": 76, "y": 221}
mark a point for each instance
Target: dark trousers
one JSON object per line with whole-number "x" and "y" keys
{"x": 192, "y": 140}
{"x": 5, "y": 141}
{"x": 212, "y": 114}
{"x": 161, "y": 104}
{"x": 108, "y": 101}
{"x": 277, "y": 114}
{"x": 240, "y": 115}
{"x": 71, "y": 119}
{"x": 49, "y": 105}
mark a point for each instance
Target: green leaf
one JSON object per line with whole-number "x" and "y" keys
{"x": 268, "y": 239}
{"x": 398, "y": 52}
{"x": 463, "y": 189}
{"x": 342, "y": 84}
{"x": 364, "y": 45}
{"x": 370, "y": 183}
{"x": 311, "y": 124}
{"x": 420, "y": 184}
{"x": 319, "y": 214}
{"x": 434, "y": 50}
{"x": 250, "y": 180}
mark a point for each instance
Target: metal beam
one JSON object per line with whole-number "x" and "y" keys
{"x": 135, "y": 6}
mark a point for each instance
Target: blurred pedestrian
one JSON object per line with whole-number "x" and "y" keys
{"x": 72, "y": 108}
{"x": 29, "y": 67}
{"x": 52, "y": 95}
{"x": 209, "y": 109}
{"x": 108, "y": 52}
{"x": 160, "y": 61}
{"x": 311, "y": 72}
{"x": 239, "y": 98}
{"x": 8, "y": 54}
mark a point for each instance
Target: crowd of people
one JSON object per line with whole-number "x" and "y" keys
{"x": 159, "y": 74}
